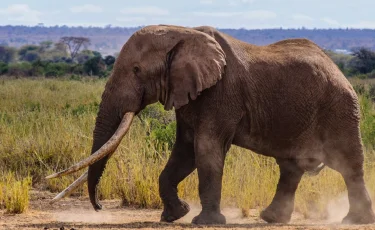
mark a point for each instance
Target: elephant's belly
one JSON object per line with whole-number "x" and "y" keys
{"x": 280, "y": 137}
{"x": 305, "y": 147}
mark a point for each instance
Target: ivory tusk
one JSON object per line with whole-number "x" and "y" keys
{"x": 108, "y": 148}
{"x": 80, "y": 181}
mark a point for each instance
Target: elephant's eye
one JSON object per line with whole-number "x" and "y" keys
{"x": 136, "y": 69}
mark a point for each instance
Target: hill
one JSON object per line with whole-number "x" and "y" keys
{"x": 109, "y": 40}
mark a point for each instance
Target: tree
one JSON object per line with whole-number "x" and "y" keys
{"x": 364, "y": 61}
{"x": 24, "y": 49}
{"x": 74, "y": 44}
{"x": 44, "y": 46}
{"x": 29, "y": 53}
{"x": 7, "y": 54}
{"x": 109, "y": 60}
{"x": 94, "y": 66}
{"x": 84, "y": 56}
{"x": 31, "y": 56}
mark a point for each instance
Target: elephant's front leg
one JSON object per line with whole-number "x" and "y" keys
{"x": 281, "y": 208}
{"x": 180, "y": 164}
{"x": 209, "y": 158}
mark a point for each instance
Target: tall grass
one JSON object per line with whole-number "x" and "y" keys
{"x": 46, "y": 125}
{"x": 14, "y": 193}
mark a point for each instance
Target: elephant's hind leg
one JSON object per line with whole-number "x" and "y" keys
{"x": 281, "y": 208}
{"x": 180, "y": 164}
{"x": 347, "y": 158}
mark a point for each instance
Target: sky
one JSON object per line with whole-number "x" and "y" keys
{"x": 249, "y": 14}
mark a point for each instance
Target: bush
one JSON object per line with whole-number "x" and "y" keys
{"x": 109, "y": 60}
{"x": 7, "y": 54}
{"x": 364, "y": 61}
{"x": 163, "y": 136}
{"x": 15, "y": 193}
{"x": 94, "y": 66}
{"x": 3, "y": 68}
{"x": 23, "y": 69}
{"x": 161, "y": 126}
{"x": 31, "y": 56}
{"x": 57, "y": 69}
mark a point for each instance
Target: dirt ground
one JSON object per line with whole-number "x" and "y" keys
{"x": 77, "y": 213}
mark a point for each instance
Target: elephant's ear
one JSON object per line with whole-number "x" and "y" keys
{"x": 193, "y": 65}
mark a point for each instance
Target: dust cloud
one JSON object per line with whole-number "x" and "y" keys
{"x": 338, "y": 208}
{"x": 232, "y": 215}
{"x": 84, "y": 215}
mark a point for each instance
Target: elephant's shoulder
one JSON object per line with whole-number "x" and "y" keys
{"x": 297, "y": 42}
{"x": 211, "y": 31}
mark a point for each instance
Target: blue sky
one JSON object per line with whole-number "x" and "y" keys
{"x": 250, "y": 14}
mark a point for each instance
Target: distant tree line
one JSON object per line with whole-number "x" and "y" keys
{"x": 68, "y": 56}
{"x": 360, "y": 63}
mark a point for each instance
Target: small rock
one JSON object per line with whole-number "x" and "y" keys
{"x": 62, "y": 228}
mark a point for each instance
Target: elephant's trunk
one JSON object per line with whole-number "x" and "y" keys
{"x": 104, "y": 134}
{"x": 104, "y": 129}
{"x": 107, "y": 136}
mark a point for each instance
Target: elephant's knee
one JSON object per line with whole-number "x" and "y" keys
{"x": 163, "y": 179}
{"x": 165, "y": 183}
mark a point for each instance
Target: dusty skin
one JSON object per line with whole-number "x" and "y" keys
{"x": 77, "y": 213}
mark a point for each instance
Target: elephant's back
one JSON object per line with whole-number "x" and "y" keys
{"x": 292, "y": 85}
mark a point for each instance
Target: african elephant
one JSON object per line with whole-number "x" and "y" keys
{"x": 287, "y": 100}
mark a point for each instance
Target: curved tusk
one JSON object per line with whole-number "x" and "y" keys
{"x": 106, "y": 149}
{"x": 77, "y": 183}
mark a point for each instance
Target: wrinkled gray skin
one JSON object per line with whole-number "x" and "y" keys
{"x": 287, "y": 100}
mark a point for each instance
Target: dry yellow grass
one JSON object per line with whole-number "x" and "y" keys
{"x": 46, "y": 125}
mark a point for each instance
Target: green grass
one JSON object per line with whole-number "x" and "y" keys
{"x": 46, "y": 125}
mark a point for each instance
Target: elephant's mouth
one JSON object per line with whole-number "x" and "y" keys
{"x": 108, "y": 148}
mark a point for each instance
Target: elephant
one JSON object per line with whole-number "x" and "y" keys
{"x": 286, "y": 100}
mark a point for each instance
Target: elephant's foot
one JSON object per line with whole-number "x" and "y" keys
{"x": 209, "y": 218}
{"x": 359, "y": 218}
{"x": 174, "y": 212}
{"x": 276, "y": 215}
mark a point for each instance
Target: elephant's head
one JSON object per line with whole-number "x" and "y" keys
{"x": 158, "y": 63}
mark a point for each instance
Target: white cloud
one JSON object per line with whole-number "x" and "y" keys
{"x": 216, "y": 14}
{"x": 206, "y": 2}
{"x": 302, "y": 17}
{"x": 147, "y": 10}
{"x": 21, "y": 13}
{"x": 255, "y": 14}
{"x": 87, "y": 8}
{"x": 131, "y": 19}
{"x": 260, "y": 15}
{"x": 330, "y": 21}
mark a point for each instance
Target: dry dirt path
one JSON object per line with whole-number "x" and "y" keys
{"x": 76, "y": 213}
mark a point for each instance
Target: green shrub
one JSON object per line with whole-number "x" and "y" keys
{"x": 95, "y": 66}
{"x": 3, "y": 68}
{"x": 74, "y": 77}
{"x": 22, "y": 69}
{"x": 163, "y": 135}
{"x": 56, "y": 69}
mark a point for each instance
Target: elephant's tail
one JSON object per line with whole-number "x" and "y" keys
{"x": 317, "y": 170}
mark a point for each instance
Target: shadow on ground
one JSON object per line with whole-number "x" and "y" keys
{"x": 157, "y": 225}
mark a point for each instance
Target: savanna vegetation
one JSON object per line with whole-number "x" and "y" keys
{"x": 69, "y": 56}
{"x": 46, "y": 125}
{"x": 49, "y": 97}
